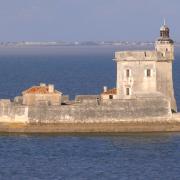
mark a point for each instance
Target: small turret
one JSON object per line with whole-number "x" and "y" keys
{"x": 164, "y": 43}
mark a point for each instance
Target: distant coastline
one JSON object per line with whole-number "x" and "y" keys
{"x": 72, "y": 43}
{"x": 26, "y": 44}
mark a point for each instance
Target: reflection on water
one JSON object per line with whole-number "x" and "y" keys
{"x": 119, "y": 156}
{"x": 146, "y": 138}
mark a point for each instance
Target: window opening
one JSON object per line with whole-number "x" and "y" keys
{"x": 127, "y": 91}
{"x": 148, "y": 72}
{"x": 127, "y": 73}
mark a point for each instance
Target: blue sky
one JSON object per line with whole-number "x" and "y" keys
{"x": 70, "y": 20}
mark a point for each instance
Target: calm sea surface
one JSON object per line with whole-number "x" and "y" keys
{"x": 107, "y": 156}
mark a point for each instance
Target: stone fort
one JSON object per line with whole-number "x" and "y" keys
{"x": 144, "y": 90}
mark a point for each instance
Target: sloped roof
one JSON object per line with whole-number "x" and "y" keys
{"x": 39, "y": 90}
{"x": 110, "y": 91}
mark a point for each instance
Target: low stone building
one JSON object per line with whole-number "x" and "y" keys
{"x": 108, "y": 93}
{"x": 41, "y": 95}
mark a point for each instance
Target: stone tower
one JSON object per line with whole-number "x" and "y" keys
{"x": 143, "y": 74}
{"x": 165, "y": 45}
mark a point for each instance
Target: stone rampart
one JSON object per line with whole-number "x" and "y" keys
{"x": 107, "y": 111}
{"x": 11, "y": 112}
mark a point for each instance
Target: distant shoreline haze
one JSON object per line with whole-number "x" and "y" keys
{"x": 71, "y": 50}
{"x": 68, "y": 50}
{"x": 89, "y": 44}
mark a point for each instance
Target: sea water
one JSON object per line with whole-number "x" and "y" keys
{"x": 73, "y": 71}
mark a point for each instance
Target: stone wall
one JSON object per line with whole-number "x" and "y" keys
{"x": 106, "y": 111}
{"x": 137, "y": 81}
{"x": 87, "y": 99}
{"x": 165, "y": 81}
{"x": 35, "y": 99}
{"x": 11, "y": 112}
